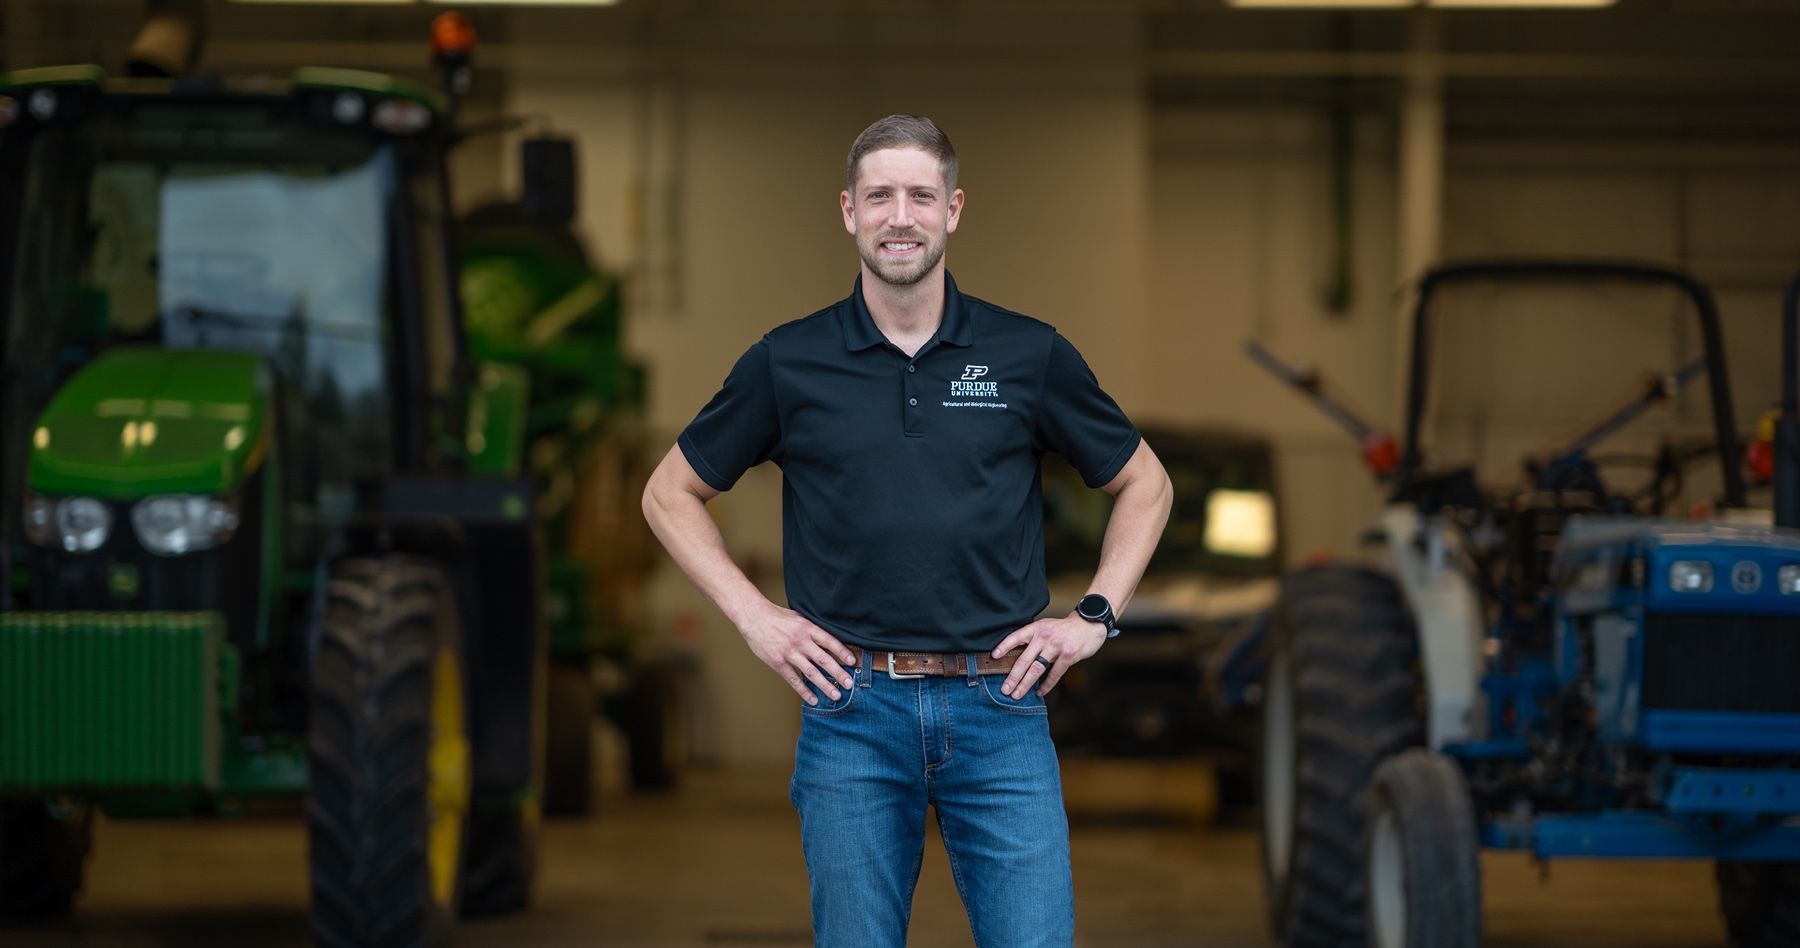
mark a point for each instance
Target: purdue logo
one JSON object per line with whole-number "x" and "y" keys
{"x": 970, "y": 387}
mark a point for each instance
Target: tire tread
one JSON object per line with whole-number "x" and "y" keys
{"x": 367, "y": 812}
{"x": 1354, "y": 662}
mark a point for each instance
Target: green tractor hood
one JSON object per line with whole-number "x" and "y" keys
{"x": 141, "y": 421}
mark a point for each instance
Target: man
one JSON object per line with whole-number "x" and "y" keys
{"x": 908, "y": 421}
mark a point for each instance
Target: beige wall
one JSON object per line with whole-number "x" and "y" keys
{"x": 1157, "y": 241}
{"x": 1240, "y": 250}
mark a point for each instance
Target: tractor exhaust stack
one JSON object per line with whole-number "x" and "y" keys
{"x": 1787, "y": 427}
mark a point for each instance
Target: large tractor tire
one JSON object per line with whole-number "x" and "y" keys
{"x": 1761, "y": 903}
{"x": 1424, "y": 857}
{"x": 502, "y": 860}
{"x": 387, "y": 814}
{"x": 569, "y": 741}
{"x": 1342, "y": 696}
{"x": 41, "y": 859}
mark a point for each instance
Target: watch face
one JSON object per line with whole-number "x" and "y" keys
{"x": 1093, "y": 607}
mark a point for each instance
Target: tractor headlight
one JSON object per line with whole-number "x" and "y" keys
{"x": 1240, "y": 523}
{"x": 1691, "y": 576}
{"x": 173, "y": 524}
{"x": 76, "y": 524}
{"x": 1787, "y": 579}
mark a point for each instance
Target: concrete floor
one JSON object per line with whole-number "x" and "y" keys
{"x": 720, "y": 865}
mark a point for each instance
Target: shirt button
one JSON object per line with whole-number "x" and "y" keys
{"x": 912, "y": 368}
{"x": 913, "y": 402}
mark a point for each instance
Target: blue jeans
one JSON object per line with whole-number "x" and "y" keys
{"x": 869, "y": 764}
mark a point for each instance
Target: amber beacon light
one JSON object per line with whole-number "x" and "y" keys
{"x": 452, "y": 49}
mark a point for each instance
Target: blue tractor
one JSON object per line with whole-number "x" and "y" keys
{"x": 1559, "y": 668}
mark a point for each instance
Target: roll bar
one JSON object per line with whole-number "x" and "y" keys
{"x": 1551, "y": 270}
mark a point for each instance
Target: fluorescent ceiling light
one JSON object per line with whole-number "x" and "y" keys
{"x": 1522, "y": 4}
{"x": 1321, "y": 4}
{"x": 1375, "y": 4}
{"x": 460, "y": 3}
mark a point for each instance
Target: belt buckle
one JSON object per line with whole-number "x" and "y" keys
{"x": 894, "y": 674}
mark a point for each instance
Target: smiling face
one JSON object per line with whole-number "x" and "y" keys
{"x": 900, "y": 214}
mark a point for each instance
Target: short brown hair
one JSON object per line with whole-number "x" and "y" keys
{"x": 904, "y": 131}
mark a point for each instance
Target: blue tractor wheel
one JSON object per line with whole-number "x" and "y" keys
{"x": 1342, "y": 696}
{"x": 1424, "y": 855}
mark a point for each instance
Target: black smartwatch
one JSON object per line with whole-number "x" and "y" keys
{"x": 1094, "y": 608}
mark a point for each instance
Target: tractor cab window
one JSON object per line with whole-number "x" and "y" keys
{"x": 226, "y": 228}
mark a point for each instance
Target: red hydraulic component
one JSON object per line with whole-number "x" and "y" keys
{"x": 1759, "y": 454}
{"x": 1379, "y": 450}
{"x": 1759, "y": 457}
{"x": 1381, "y": 453}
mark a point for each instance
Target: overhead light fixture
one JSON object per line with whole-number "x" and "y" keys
{"x": 1390, "y": 4}
{"x": 1522, "y": 4}
{"x": 1322, "y": 4}
{"x": 460, "y": 3}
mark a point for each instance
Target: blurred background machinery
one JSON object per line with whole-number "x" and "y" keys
{"x": 1582, "y": 662}
{"x": 1160, "y": 179}
{"x": 1180, "y": 681}
{"x": 536, "y": 306}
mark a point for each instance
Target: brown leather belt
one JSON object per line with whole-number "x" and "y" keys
{"x": 938, "y": 664}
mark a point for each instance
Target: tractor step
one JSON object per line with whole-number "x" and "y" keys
{"x": 1708, "y": 790}
{"x": 1645, "y": 834}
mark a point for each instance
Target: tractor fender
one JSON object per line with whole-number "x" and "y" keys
{"x": 437, "y": 536}
{"x": 1426, "y": 558}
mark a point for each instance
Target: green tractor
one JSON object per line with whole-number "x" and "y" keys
{"x": 262, "y": 528}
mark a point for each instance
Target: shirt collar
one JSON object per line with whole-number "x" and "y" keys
{"x": 860, "y": 331}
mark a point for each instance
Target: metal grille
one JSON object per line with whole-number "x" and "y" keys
{"x": 109, "y": 699}
{"x": 1722, "y": 663}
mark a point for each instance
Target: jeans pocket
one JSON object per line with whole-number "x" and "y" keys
{"x": 1032, "y": 703}
{"x": 828, "y": 706}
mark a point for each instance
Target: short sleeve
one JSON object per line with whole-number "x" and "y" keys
{"x": 1079, "y": 421}
{"x": 740, "y": 428}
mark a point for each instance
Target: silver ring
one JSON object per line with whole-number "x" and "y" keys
{"x": 1041, "y": 660}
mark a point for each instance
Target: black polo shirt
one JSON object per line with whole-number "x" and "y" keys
{"x": 912, "y": 517}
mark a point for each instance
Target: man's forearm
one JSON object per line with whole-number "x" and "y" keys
{"x": 804, "y": 655}
{"x": 1140, "y": 510}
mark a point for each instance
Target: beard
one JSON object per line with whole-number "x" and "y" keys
{"x": 901, "y": 272}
